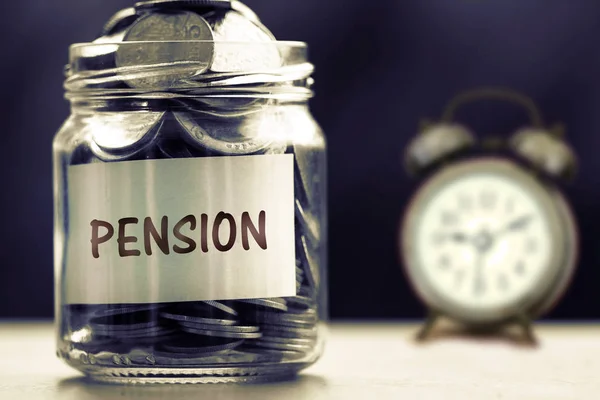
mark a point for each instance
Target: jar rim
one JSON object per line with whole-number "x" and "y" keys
{"x": 178, "y": 66}
{"x": 291, "y": 44}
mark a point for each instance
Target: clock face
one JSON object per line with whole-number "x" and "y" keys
{"x": 482, "y": 238}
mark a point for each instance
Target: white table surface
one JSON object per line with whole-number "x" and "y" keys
{"x": 362, "y": 361}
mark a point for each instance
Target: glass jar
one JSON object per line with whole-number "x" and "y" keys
{"x": 190, "y": 214}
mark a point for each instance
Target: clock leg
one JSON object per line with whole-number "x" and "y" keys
{"x": 526, "y": 324}
{"x": 427, "y": 326}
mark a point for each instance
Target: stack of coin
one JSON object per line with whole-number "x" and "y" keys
{"x": 192, "y": 333}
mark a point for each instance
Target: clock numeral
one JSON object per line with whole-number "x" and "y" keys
{"x": 520, "y": 268}
{"x": 449, "y": 218}
{"x": 487, "y": 199}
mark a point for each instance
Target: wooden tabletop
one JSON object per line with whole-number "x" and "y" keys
{"x": 361, "y": 361}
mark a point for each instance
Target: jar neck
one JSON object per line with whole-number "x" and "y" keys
{"x": 210, "y": 105}
{"x": 162, "y": 76}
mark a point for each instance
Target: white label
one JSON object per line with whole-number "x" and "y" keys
{"x": 131, "y": 240}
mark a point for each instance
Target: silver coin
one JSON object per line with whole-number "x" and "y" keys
{"x": 125, "y": 132}
{"x": 246, "y": 11}
{"x": 215, "y": 358}
{"x": 101, "y": 328}
{"x": 278, "y": 147}
{"x": 193, "y": 346}
{"x": 276, "y": 303}
{"x": 233, "y": 32}
{"x": 307, "y": 291}
{"x": 301, "y": 301}
{"x": 174, "y": 149}
{"x": 144, "y": 335}
{"x": 221, "y": 307}
{"x": 305, "y": 169}
{"x": 150, "y": 340}
{"x": 311, "y": 267}
{"x": 222, "y": 334}
{"x": 310, "y": 225}
{"x": 119, "y": 21}
{"x": 108, "y": 51}
{"x": 282, "y": 346}
{"x": 133, "y": 328}
{"x": 289, "y": 332}
{"x": 148, "y": 151}
{"x": 266, "y": 355}
{"x": 214, "y": 327}
{"x": 296, "y": 320}
{"x": 221, "y": 136}
{"x": 162, "y": 57}
{"x": 286, "y": 323}
{"x": 294, "y": 341}
{"x": 199, "y": 320}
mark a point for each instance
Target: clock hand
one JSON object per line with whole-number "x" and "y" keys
{"x": 459, "y": 237}
{"x": 519, "y": 223}
{"x": 515, "y": 225}
{"x": 478, "y": 285}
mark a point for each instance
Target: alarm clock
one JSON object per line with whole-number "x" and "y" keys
{"x": 489, "y": 239}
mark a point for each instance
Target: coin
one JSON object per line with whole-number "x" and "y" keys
{"x": 305, "y": 165}
{"x": 271, "y": 355}
{"x": 282, "y": 346}
{"x": 151, "y": 334}
{"x": 216, "y": 357}
{"x": 299, "y": 321}
{"x": 245, "y": 11}
{"x": 276, "y": 303}
{"x": 126, "y": 321}
{"x": 201, "y": 313}
{"x": 124, "y": 132}
{"x": 288, "y": 332}
{"x": 200, "y": 320}
{"x": 242, "y": 44}
{"x": 310, "y": 265}
{"x": 189, "y": 344}
{"x": 119, "y": 21}
{"x": 150, "y": 338}
{"x": 222, "y": 333}
{"x": 216, "y": 327}
{"x": 162, "y": 57}
{"x": 309, "y": 224}
{"x": 302, "y": 301}
{"x": 294, "y": 341}
{"x": 221, "y": 306}
{"x": 174, "y": 148}
{"x": 221, "y": 135}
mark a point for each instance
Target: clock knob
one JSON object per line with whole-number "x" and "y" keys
{"x": 546, "y": 151}
{"x": 435, "y": 143}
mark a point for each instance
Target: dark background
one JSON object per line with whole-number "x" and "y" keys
{"x": 382, "y": 65}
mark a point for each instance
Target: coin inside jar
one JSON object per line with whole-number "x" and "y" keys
{"x": 222, "y": 135}
{"x": 162, "y": 55}
{"x": 120, "y": 21}
{"x": 123, "y": 131}
{"x": 232, "y": 32}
